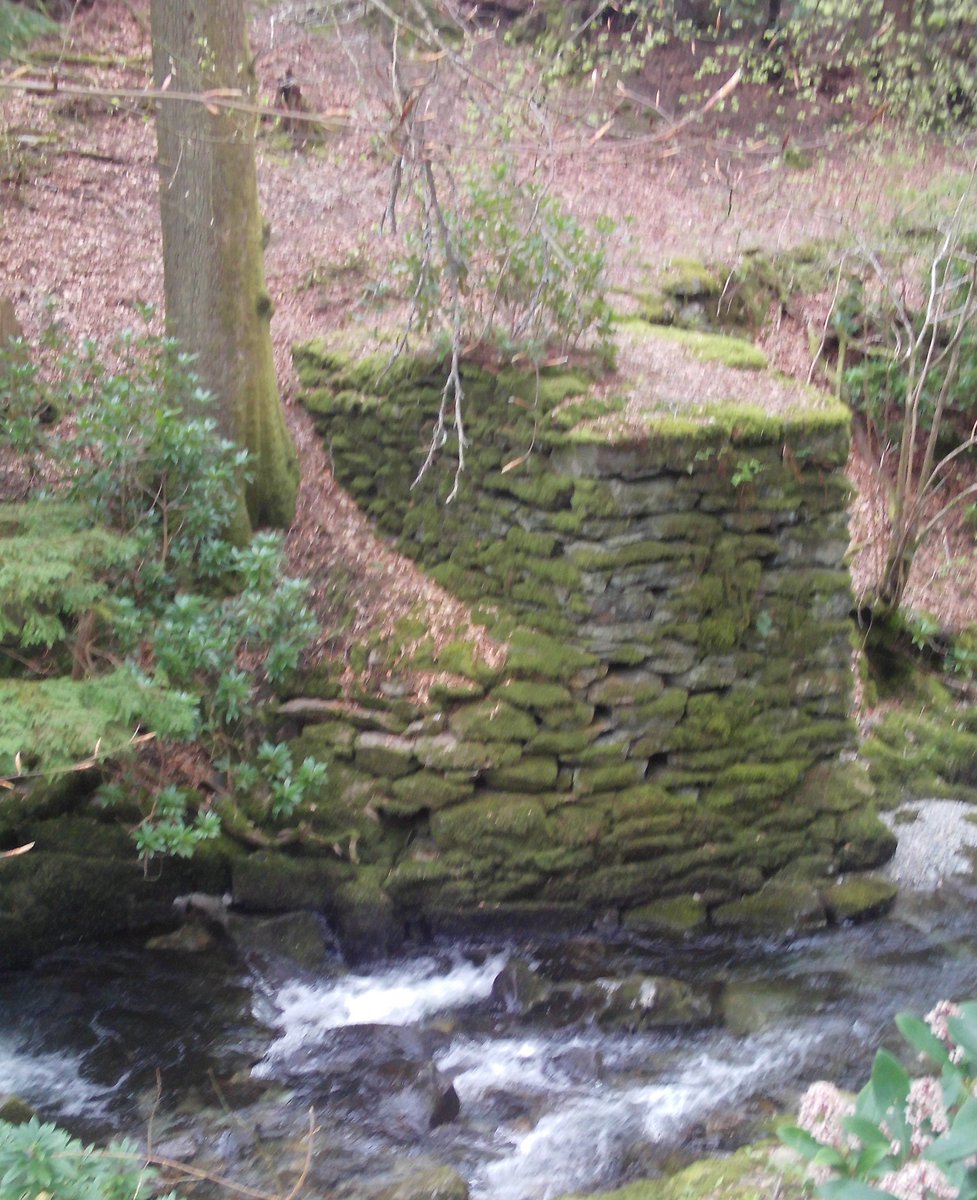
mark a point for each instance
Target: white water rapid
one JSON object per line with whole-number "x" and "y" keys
{"x": 400, "y": 995}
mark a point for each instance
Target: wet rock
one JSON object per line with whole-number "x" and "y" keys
{"x": 673, "y": 917}
{"x": 580, "y": 1064}
{"x": 778, "y": 909}
{"x": 859, "y": 899}
{"x": 182, "y": 1146}
{"x": 750, "y": 1006}
{"x": 431, "y": 1183}
{"x": 365, "y": 921}
{"x": 649, "y": 1002}
{"x": 270, "y": 882}
{"x": 447, "y": 1106}
{"x": 201, "y": 906}
{"x": 424, "y": 1100}
{"x": 15, "y": 1111}
{"x": 302, "y": 938}
{"x": 519, "y": 988}
{"x": 192, "y": 938}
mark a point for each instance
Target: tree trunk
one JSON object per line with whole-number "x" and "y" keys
{"x": 217, "y": 305}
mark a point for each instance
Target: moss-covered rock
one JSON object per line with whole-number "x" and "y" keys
{"x": 531, "y": 773}
{"x": 426, "y": 1183}
{"x": 778, "y": 909}
{"x": 753, "y": 1173}
{"x": 859, "y": 898}
{"x": 674, "y": 916}
{"x": 15, "y": 1111}
{"x": 650, "y": 1002}
{"x": 271, "y": 882}
{"x": 364, "y": 917}
{"x": 426, "y": 790}
{"x": 865, "y": 842}
{"x": 492, "y": 721}
{"x": 385, "y": 754}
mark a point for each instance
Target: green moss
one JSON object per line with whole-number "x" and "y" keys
{"x": 444, "y": 752}
{"x": 750, "y": 1174}
{"x": 689, "y": 278}
{"x": 532, "y": 773}
{"x": 778, "y": 909}
{"x": 589, "y": 409}
{"x": 483, "y": 826}
{"x": 533, "y": 696}
{"x": 385, "y": 754}
{"x": 543, "y": 491}
{"x": 610, "y": 778}
{"x": 674, "y": 916}
{"x": 425, "y": 790}
{"x": 924, "y": 751}
{"x": 864, "y": 841}
{"x": 714, "y": 347}
{"x": 492, "y": 721}
{"x": 534, "y": 654}
{"x": 363, "y": 914}
{"x": 761, "y": 781}
{"x": 460, "y": 658}
{"x": 860, "y": 898}
{"x": 55, "y": 723}
{"x": 626, "y": 688}
{"x": 449, "y": 692}
{"x": 635, "y": 554}
{"x": 566, "y": 743}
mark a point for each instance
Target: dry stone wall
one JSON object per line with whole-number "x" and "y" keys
{"x": 664, "y": 737}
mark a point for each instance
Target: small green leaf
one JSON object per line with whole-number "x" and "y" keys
{"x": 799, "y": 1140}
{"x": 960, "y": 1141}
{"x": 851, "y": 1189}
{"x": 922, "y": 1039}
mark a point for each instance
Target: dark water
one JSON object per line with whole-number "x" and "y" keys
{"x": 222, "y": 1062}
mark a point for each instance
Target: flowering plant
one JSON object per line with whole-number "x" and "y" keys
{"x": 900, "y": 1138}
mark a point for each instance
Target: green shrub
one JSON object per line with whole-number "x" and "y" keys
{"x": 20, "y": 24}
{"x": 138, "y": 566}
{"x": 900, "y": 1136}
{"x": 532, "y": 277}
{"x": 41, "y": 1162}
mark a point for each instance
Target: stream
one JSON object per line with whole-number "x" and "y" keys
{"x": 416, "y": 1063}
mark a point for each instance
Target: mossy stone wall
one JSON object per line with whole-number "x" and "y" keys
{"x": 676, "y": 604}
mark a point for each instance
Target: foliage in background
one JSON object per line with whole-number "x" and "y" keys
{"x": 918, "y": 61}
{"x": 39, "y": 1160}
{"x": 915, "y": 351}
{"x": 126, "y": 571}
{"x": 900, "y": 1137}
{"x": 20, "y": 24}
